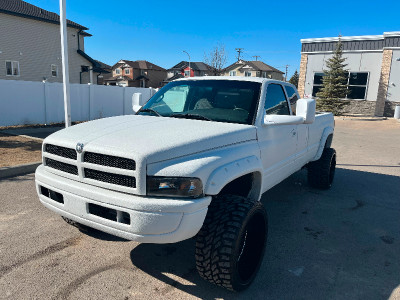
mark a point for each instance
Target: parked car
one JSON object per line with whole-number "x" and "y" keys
{"x": 193, "y": 161}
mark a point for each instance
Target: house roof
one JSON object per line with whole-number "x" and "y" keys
{"x": 176, "y": 76}
{"x": 103, "y": 65}
{"x": 255, "y": 64}
{"x": 23, "y": 9}
{"x": 194, "y": 65}
{"x": 139, "y": 64}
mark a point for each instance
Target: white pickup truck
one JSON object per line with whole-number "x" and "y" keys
{"x": 193, "y": 161}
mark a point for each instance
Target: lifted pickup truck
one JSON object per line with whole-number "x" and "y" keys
{"x": 193, "y": 161}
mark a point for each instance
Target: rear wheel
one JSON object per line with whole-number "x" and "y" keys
{"x": 230, "y": 245}
{"x": 321, "y": 172}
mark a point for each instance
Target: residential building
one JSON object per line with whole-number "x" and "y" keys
{"x": 106, "y": 74}
{"x": 182, "y": 69}
{"x": 140, "y": 73}
{"x": 253, "y": 68}
{"x": 30, "y": 45}
{"x": 373, "y": 64}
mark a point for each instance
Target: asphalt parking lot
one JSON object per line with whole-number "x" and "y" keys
{"x": 343, "y": 243}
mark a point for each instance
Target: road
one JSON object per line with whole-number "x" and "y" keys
{"x": 343, "y": 243}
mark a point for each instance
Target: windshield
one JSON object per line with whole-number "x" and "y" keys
{"x": 213, "y": 100}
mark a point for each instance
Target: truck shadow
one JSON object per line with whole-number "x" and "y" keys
{"x": 339, "y": 243}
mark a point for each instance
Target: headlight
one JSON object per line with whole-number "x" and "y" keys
{"x": 174, "y": 186}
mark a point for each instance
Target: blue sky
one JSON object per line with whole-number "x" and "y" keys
{"x": 158, "y": 31}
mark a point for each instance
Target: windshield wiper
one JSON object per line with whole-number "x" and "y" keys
{"x": 190, "y": 116}
{"x": 149, "y": 110}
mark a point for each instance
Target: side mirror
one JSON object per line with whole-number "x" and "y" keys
{"x": 305, "y": 108}
{"x": 136, "y": 101}
{"x": 282, "y": 120}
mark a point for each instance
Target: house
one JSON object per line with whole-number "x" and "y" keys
{"x": 30, "y": 46}
{"x": 105, "y": 74}
{"x": 182, "y": 69}
{"x": 373, "y": 64}
{"x": 140, "y": 73}
{"x": 253, "y": 68}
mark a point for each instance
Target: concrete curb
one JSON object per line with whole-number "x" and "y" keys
{"x": 6, "y": 172}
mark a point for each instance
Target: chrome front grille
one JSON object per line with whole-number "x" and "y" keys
{"x": 117, "y": 179}
{"x": 58, "y": 165}
{"x": 109, "y": 161}
{"x": 60, "y": 151}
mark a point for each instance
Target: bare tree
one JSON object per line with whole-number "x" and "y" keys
{"x": 216, "y": 59}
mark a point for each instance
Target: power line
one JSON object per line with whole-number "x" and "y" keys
{"x": 239, "y": 50}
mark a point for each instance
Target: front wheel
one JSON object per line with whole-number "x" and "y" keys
{"x": 230, "y": 245}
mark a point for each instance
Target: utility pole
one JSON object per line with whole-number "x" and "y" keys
{"x": 256, "y": 56}
{"x": 286, "y": 72}
{"x": 65, "y": 71}
{"x": 239, "y": 50}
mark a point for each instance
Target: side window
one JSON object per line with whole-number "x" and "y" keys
{"x": 275, "y": 102}
{"x": 292, "y": 97}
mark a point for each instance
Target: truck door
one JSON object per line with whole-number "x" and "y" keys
{"x": 302, "y": 129}
{"x": 277, "y": 142}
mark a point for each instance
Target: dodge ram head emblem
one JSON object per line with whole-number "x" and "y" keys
{"x": 79, "y": 147}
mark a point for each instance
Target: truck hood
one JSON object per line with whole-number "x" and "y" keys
{"x": 153, "y": 138}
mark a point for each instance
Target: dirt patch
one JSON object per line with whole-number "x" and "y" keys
{"x": 16, "y": 150}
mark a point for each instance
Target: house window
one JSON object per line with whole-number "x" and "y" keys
{"x": 264, "y": 74}
{"x": 143, "y": 83}
{"x": 247, "y": 73}
{"x": 357, "y": 84}
{"x": 54, "y": 70}
{"x": 127, "y": 71}
{"x": 143, "y": 72}
{"x": 232, "y": 73}
{"x": 317, "y": 83}
{"x": 187, "y": 73}
{"x": 118, "y": 71}
{"x": 12, "y": 68}
{"x": 357, "y": 87}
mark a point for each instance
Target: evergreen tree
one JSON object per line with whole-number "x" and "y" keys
{"x": 334, "y": 83}
{"x": 294, "y": 79}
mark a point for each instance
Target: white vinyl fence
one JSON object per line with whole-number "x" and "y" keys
{"x": 27, "y": 102}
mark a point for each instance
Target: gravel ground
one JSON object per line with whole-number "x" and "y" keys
{"x": 343, "y": 243}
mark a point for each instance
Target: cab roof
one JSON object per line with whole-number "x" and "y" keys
{"x": 234, "y": 78}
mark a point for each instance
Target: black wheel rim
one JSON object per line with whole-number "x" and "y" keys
{"x": 251, "y": 248}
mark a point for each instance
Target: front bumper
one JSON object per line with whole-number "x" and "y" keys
{"x": 152, "y": 220}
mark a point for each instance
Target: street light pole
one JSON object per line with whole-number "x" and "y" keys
{"x": 190, "y": 72}
{"x": 65, "y": 71}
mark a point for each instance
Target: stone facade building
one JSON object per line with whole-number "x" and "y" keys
{"x": 373, "y": 63}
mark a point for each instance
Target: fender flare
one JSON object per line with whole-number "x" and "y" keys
{"x": 224, "y": 174}
{"x": 328, "y": 131}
